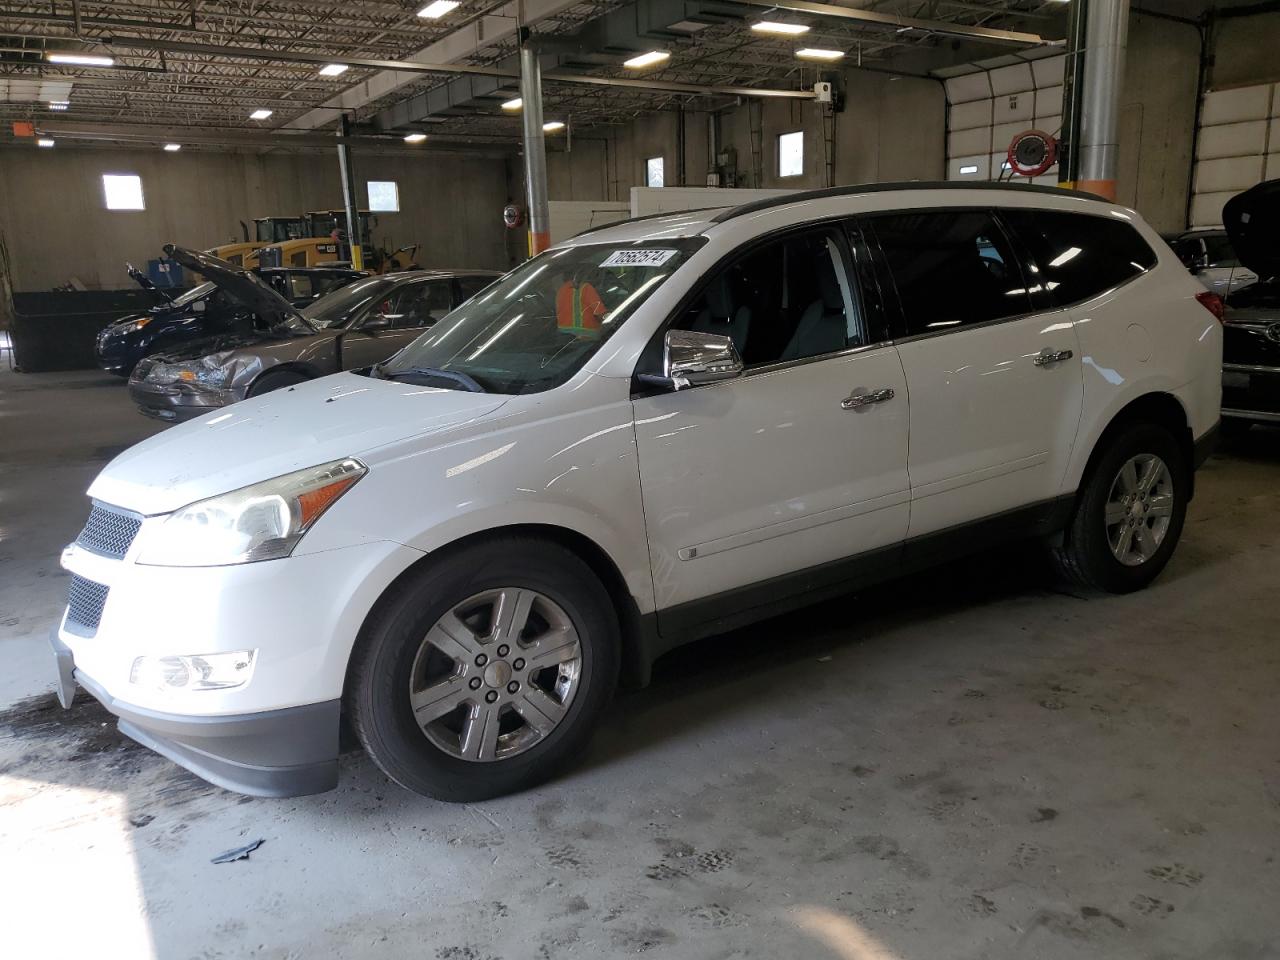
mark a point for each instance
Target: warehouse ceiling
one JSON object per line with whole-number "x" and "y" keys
{"x": 214, "y": 91}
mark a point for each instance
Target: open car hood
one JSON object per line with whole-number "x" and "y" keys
{"x": 239, "y": 283}
{"x": 142, "y": 280}
{"x": 1252, "y": 220}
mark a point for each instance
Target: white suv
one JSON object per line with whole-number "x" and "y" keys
{"x": 656, "y": 431}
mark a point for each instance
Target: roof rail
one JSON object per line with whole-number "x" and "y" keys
{"x": 857, "y": 188}
{"x": 647, "y": 216}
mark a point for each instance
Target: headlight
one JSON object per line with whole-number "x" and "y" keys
{"x": 261, "y": 522}
{"x": 215, "y": 370}
{"x": 133, "y": 326}
{"x": 209, "y": 671}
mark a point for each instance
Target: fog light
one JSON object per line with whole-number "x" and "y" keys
{"x": 208, "y": 671}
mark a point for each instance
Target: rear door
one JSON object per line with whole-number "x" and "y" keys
{"x": 993, "y": 372}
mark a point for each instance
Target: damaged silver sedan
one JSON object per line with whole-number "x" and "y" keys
{"x": 280, "y": 345}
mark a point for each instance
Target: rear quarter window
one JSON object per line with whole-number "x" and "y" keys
{"x": 1080, "y": 256}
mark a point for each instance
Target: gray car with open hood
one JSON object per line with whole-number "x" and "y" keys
{"x": 280, "y": 345}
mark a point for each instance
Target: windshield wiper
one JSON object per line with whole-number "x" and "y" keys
{"x": 463, "y": 380}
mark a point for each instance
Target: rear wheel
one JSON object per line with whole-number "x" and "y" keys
{"x": 487, "y": 672}
{"x": 276, "y": 380}
{"x": 1129, "y": 513}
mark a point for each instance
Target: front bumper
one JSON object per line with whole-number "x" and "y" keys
{"x": 176, "y": 402}
{"x": 289, "y": 752}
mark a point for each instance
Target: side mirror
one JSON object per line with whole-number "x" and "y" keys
{"x": 1200, "y": 262}
{"x": 691, "y": 359}
{"x": 376, "y": 321}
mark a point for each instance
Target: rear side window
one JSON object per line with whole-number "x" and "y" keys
{"x": 1080, "y": 256}
{"x": 952, "y": 268}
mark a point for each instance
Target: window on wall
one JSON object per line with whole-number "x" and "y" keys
{"x": 653, "y": 172}
{"x": 384, "y": 196}
{"x": 123, "y": 191}
{"x": 791, "y": 154}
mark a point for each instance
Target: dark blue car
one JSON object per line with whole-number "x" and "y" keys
{"x": 203, "y": 311}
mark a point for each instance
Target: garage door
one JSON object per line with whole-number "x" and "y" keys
{"x": 1237, "y": 145}
{"x": 987, "y": 108}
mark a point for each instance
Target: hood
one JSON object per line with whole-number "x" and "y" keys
{"x": 1252, "y": 220}
{"x": 239, "y": 283}
{"x": 344, "y": 415}
{"x": 142, "y": 280}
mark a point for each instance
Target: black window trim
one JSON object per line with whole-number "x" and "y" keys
{"x": 839, "y": 224}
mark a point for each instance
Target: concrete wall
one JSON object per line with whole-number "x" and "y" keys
{"x": 892, "y": 128}
{"x": 1244, "y": 50}
{"x": 55, "y": 223}
{"x": 1157, "y": 119}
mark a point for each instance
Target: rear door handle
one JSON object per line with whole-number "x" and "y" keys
{"x": 1048, "y": 355}
{"x": 854, "y": 401}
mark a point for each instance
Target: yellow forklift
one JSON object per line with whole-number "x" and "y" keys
{"x": 323, "y": 241}
{"x": 267, "y": 230}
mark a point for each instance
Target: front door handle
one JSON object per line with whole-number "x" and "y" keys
{"x": 1048, "y": 355}
{"x": 857, "y": 400}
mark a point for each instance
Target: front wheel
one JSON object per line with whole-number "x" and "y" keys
{"x": 486, "y": 672}
{"x": 276, "y": 380}
{"x": 1129, "y": 512}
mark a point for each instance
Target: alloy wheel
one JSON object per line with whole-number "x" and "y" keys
{"x": 496, "y": 674}
{"x": 1139, "y": 509}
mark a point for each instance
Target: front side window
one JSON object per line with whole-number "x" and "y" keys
{"x": 123, "y": 191}
{"x": 340, "y": 308}
{"x": 951, "y": 268}
{"x": 653, "y": 172}
{"x": 785, "y": 300}
{"x": 537, "y": 326}
{"x": 1219, "y": 250}
{"x": 1078, "y": 255}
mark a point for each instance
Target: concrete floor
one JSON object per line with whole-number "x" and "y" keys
{"x": 969, "y": 764}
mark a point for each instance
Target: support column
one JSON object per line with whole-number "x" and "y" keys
{"x": 1091, "y": 102}
{"x": 535, "y": 151}
{"x": 349, "y": 195}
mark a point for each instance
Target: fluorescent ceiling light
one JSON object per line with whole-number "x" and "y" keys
{"x": 259, "y": 114}
{"x": 172, "y": 147}
{"x": 515, "y": 104}
{"x": 818, "y": 53}
{"x": 58, "y": 106}
{"x": 80, "y": 59}
{"x": 551, "y": 126}
{"x": 334, "y": 70}
{"x": 773, "y": 26}
{"x": 968, "y": 169}
{"x": 415, "y": 137}
{"x": 646, "y": 59}
{"x": 437, "y": 9}
{"x": 42, "y": 142}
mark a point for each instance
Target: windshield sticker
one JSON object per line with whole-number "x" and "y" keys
{"x": 638, "y": 258}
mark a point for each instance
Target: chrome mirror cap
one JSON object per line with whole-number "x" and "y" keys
{"x": 692, "y": 358}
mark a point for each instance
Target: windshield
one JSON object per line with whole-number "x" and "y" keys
{"x": 340, "y": 308}
{"x": 195, "y": 293}
{"x": 537, "y": 326}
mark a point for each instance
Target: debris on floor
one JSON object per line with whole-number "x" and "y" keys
{"x": 239, "y": 853}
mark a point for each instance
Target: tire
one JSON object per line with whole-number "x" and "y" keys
{"x": 1088, "y": 552}
{"x": 276, "y": 380}
{"x": 402, "y": 654}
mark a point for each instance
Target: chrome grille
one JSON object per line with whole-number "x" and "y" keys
{"x": 84, "y": 604}
{"x": 109, "y": 532}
